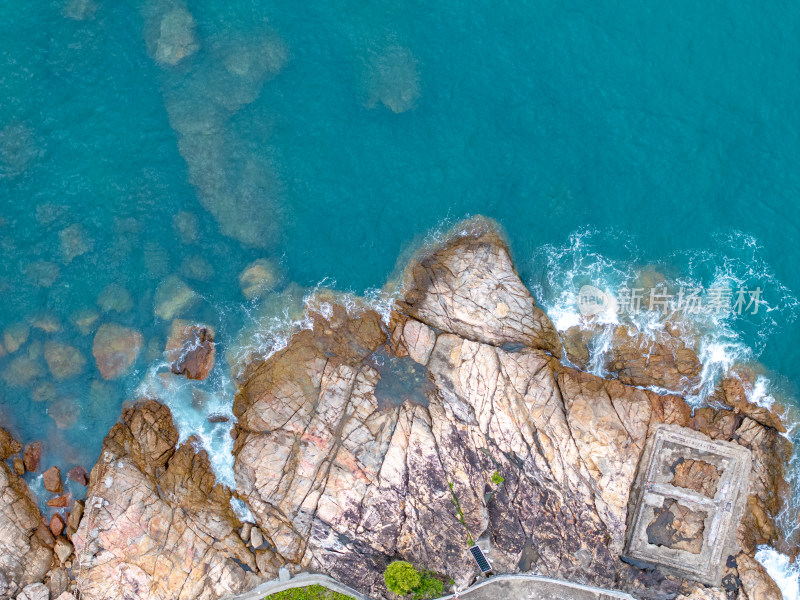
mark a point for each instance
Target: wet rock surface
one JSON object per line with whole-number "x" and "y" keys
{"x": 190, "y": 350}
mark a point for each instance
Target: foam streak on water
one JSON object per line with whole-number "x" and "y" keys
{"x": 782, "y": 571}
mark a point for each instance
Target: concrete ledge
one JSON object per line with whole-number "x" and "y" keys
{"x": 535, "y": 587}
{"x": 509, "y": 587}
{"x": 300, "y": 580}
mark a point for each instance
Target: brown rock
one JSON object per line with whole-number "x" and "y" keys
{"x": 115, "y": 349}
{"x": 63, "y": 549}
{"x": 31, "y": 456}
{"x": 64, "y": 361}
{"x": 259, "y": 277}
{"x": 412, "y": 338}
{"x": 57, "y": 524}
{"x": 172, "y": 298}
{"x": 74, "y": 518}
{"x": 79, "y": 475}
{"x": 468, "y": 286}
{"x": 62, "y": 501}
{"x": 769, "y": 491}
{"x": 154, "y": 496}
{"x": 716, "y": 424}
{"x": 15, "y": 336}
{"x": 756, "y": 582}
{"x": 24, "y": 556}
{"x": 190, "y": 350}
{"x": 57, "y": 581}
{"x": 19, "y": 466}
{"x": 664, "y": 362}
{"x": 8, "y": 445}
{"x": 734, "y": 391}
{"x": 74, "y": 242}
{"x": 52, "y": 480}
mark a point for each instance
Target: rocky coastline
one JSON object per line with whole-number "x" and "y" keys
{"x": 467, "y": 417}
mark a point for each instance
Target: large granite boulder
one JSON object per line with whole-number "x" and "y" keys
{"x": 156, "y": 523}
{"x": 468, "y": 286}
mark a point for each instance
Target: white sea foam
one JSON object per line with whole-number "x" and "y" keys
{"x": 192, "y": 403}
{"x": 782, "y": 571}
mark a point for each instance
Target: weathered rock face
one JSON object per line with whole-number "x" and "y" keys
{"x": 190, "y": 350}
{"x": 25, "y": 555}
{"x": 469, "y": 287}
{"x": 8, "y": 445}
{"x": 156, "y": 524}
{"x": 633, "y": 358}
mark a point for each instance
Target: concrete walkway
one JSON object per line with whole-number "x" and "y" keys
{"x": 508, "y": 587}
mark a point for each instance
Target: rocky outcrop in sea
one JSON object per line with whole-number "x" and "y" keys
{"x": 462, "y": 418}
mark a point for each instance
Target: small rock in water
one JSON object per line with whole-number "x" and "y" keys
{"x": 19, "y": 467}
{"x": 21, "y": 371}
{"x": 62, "y": 501}
{"x": 190, "y": 350}
{"x": 64, "y": 361}
{"x": 79, "y": 10}
{"x": 57, "y": 526}
{"x": 52, "y": 480}
{"x": 393, "y": 80}
{"x": 31, "y": 456}
{"x": 64, "y": 412}
{"x": 197, "y": 267}
{"x": 48, "y": 213}
{"x": 45, "y": 392}
{"x": 259, "y": 277}
{"x": 218, "y": 419}
{"x": 15, "y": 336}
{"x": 185, "y": 224}
{"x": 173, "y": 297}
{"x": 47, "y": 323}
{"x": 85, "y": 320}
{"x": 115, "y": 298}
{"x": 74, "y": 242}
{"x": 115, "y": 349}
{"x": 176, "y": 39}
{"x": 17, "y": 150}
{"x": 79, "y": 475}
{"x": 42, "y": 273}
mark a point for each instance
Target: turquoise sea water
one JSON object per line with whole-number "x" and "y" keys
{"x": 331, "y": 138}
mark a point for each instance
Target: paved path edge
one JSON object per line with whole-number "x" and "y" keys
{"x": 307, "y": 579}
